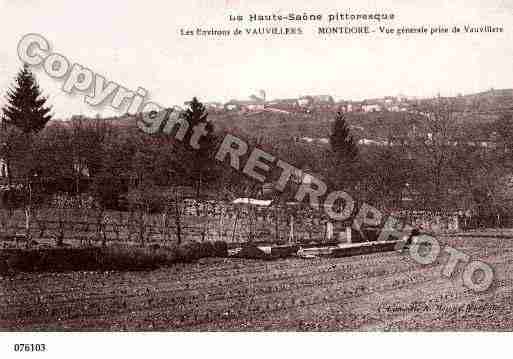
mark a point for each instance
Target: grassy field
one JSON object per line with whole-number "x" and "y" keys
{"x": 385, "y": 291}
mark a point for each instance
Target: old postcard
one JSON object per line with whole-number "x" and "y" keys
{"x": 254, "y": 166}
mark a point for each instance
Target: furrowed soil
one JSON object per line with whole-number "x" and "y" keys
{"x": 384, "y": 292}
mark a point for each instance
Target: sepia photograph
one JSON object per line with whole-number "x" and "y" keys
{"x": 313, "y": 172}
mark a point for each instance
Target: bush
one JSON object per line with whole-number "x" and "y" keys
{"x": 220, "y": 249}
{"x": 108, "y": 189}
{"x": 115, "y": 257}
{"x": 150, "y": 198}
{"x": 13, "y": 196}
{"x": 54, "y": 259}
{"x": 195, "y": 250}
{"x": 132, "y": 258}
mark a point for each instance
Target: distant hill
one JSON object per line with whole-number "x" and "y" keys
{"x": 478, "y": 112}
{"x": 490, "y": 101}
{"x": 493, "y": 93}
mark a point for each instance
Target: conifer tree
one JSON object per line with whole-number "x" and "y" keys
{"x": 342, "y": 142}
{"x": 25, "y": 108}
{"x": 196, "y": 114}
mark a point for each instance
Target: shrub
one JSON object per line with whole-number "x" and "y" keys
{"x": 220, "y": 249}
{"x": 53, "y": 259}
{"x": 108, "y": 189}
{"x": 192, "y": 251}
{"x": 150, "y": 198}
{"x": 115, "y": 257}
{"x": 13, "y": 196}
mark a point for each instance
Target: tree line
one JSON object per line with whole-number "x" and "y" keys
{"x": 427, "y": 162}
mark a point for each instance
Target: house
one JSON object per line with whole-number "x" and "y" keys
{"x": 347, "y": 107}
{"x": 374, "y": 107}
{"x": 318, "y": 140}
{"x": 245, "y": 106}
{"x": 401, "y": 98}
{"x": 3, "y": 169}
{"x": 293, "y": 102}
{"x": 276, "y": 110}
{"x": 367, "y": 142}
{"x": 305, "y": 101}
{"x": 283, "y": 104}
{"x": 388, "y": 101}
{"x": 355, "y": 107}
{"x": 253, "y": 106}
{"x": 214, "y": 105}
{"x": 230, "y": 106}
{"x": 323, "y": 100}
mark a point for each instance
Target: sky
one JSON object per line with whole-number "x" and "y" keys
{"x": 138, "y": 44}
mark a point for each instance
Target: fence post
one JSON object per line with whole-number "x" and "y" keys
{"x": 235, "y": 225}
{"x": 277, "y": 224}
{"x": 329, "y": 230}
{"x": 221, "y": 225}
{"x": 27, "y": 222}
{"x": 291, "y": 234}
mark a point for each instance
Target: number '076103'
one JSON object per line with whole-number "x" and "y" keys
{"x": 29, "y": 347}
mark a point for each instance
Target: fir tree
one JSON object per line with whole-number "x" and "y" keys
{"x": 25, "y": 105}
{"x": 342, "y": 142}
{"x": 196, "y": 114}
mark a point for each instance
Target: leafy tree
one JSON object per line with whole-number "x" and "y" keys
{"x": 25, "y": 108}
{"x": 107, "y": 189}
{"x": 86, "y": 142}
{"x": 386, "y": 172}
{"x": 434, "y": 149}
{"x": 504, "y": 128}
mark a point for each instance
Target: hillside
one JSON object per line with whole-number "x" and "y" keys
{"x": 478, "y": 112}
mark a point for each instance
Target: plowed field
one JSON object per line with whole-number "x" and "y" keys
{"x": 385, "y": 291}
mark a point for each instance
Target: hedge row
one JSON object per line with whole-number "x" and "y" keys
{"x": 116, "y": 257}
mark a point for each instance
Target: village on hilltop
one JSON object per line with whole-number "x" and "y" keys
{"x": 478, "y": 102}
